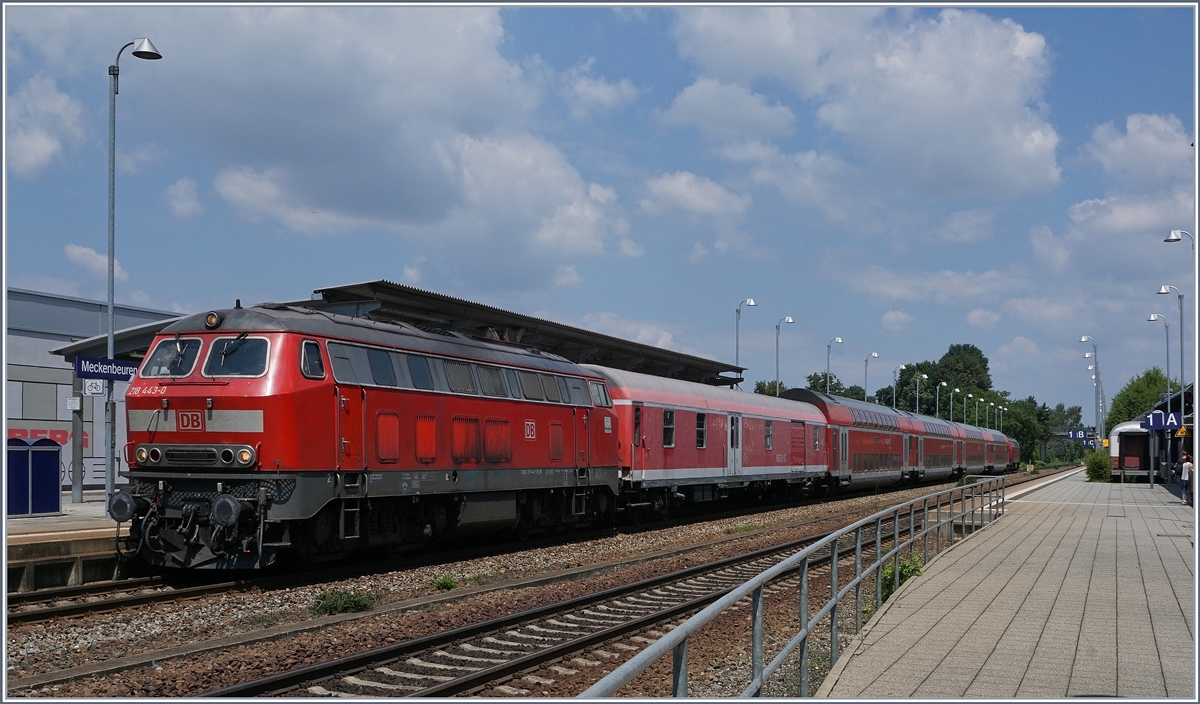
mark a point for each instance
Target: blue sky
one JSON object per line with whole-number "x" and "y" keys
{"x": 905, "y": 179}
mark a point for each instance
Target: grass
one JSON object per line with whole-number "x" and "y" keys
{"x": 910, "y": 566}
{"x": 446, "y": 582}
{"x": 338, "y": 601}
{"x": 745, "y": 528}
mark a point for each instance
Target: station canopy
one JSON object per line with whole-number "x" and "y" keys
{"x": 387, "y": 301}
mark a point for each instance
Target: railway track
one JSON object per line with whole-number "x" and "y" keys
{"x": 467, "y": 659}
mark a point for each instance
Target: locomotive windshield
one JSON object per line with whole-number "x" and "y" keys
{"x": 237, "y": 356}
{"x": 172, "y": 358}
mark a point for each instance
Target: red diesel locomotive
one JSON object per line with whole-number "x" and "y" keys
{"x": 259, "y": 431}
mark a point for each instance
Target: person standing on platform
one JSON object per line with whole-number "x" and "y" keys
{"x": 1185, "y": 476}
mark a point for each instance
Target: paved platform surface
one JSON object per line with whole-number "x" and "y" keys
{"x": 1081, "y": 589}
{"x": 83, "y": 520}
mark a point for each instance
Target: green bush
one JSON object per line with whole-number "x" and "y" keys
{"x": 1099, "y": 466}
{"x": 446, "y": 582}
{"x": 910, "y": 566}
{"x": 337, "y": 601}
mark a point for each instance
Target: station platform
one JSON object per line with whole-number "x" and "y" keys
{"x": 1082, "y": 589}
{"x": 71, "y": 548}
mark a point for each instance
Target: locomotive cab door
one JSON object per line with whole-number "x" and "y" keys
{"x": 734, "y": 464}
{"x": 349, "y": 400}
{"x": 583, "y": 455}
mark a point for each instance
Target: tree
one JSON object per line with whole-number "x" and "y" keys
{"x": 964, "y": 366}
{"x": 855, "y": 392}
{"x": 816, "y": 382}
{"x": 1137, "y": 397}
{"x": 767, "y": 388}
{"x": 1063, "y": 417}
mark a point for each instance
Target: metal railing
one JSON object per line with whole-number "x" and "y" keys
{"x": 980, "y": 503}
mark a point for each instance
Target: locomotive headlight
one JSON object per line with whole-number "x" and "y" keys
{"x": 212, "y": 319}
{"x": 226, "y": 510}
{"x": 155, "y": 454}
{"x": 122, "y": 506}
{"x": 245, "y": 456}
{"x": 142, "y": 455}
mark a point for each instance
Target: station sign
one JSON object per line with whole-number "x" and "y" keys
{"x": 1157, "y": 420}
{"x": 115, "y": 369}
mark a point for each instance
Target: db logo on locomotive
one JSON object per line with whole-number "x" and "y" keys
{"x": 192, "y": 421}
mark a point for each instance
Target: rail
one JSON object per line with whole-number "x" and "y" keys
{"x": 981, "y": 502}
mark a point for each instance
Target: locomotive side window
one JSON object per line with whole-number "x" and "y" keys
{"x": 311, "y": 365}
{"x": 491, "y": 382}
{"x": 600, "y": 395}
{"x": 400, "y": 369}
{"x": 668, "y": 428}
{"x": 579, "y": 394}
{"x": 514, "y": 386}
{"x": 381, "y": 367}
{"x": 418, "y": 367}
{"x": 458, "y": 376}
{"x": 701, "y": 430}
{"x": 339, "y": 359}
{"x": 563, "y": 391}
{"x": 531, "y": 386}
{"x": 637, "y": 426}
{"x": 172, "y": 358}
{"x": 550, "y": 386}
{"x": 237, "y": 356}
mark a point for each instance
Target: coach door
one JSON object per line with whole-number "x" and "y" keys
{"x": 350, "y": 426}
{"x": 734, "y": 465}
{"x": 799, "y": 449}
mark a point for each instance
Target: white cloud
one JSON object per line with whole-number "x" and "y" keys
{"x": 587, "y": 95}
{"x": 943, "y": 286}
{"x": 183, "y": 198}
{"x": 1133, "y": 213}
{"x": 727, "y": 109}
{"x": 950, "y": 105}
{"x": 983, "y": 319}
{"x": 894, "y": 321}
{"x": 690, "y": 193}
{"x": 94, "y": 262}
{"x": 698, "y": 252}
{"x": 265, "y": 194}
{"x": 130, "y": 162}
{"x": 1020, "y": 347}
{"x": 412, "y": 272}
{"x": 628, "y": 248}
{"x": 41, "y": 122}
{"x": 965, "y": 227}
{"x": 817, "y": 179}
{"x": 1154, "y": 154}
{"x": 566, "y": 276}
{"x": 638, "y": 331}
{"x": 1043, "y": 310}
{"x": 1048, "y": 249}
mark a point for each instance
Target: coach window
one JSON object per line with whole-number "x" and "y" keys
{"x": 701, "y": 430}
{"x": 668, "y": 428}
{"x": 637, "y": 426}
{"x": 381, "y": 367}
{"x": 769, "y": 435}
{"x": 817, "y": 430}
{"x": 311, "y": 365}
{"x": 418, "y": 367}
{"x": 458, "y": 376}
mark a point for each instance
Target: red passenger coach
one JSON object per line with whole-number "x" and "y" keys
{"x": 274, "y": 428}
{"x": 681, "y": 441}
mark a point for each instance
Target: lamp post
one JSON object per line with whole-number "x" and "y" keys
{"x": 952, "y": 392}
{"x": 917, "y": 405}
{"x": 865, "y": 361}
{"x": 1176, "y": 236}
{"x": 968, "y": 398}
{"x": 737, "y": 331}
{"x": 143, "y": 50}
{"x": 977, "y": 411}
{"x": 937, "y": 400}
{"x": 1155, "y": 317}
{"x": 784, "y": 319}
{"x": 895, "y": 382}
{"x": 987, "y": 416}
{"x": 1001, "y": 410}
{"x": 1095, "y": 354}
{"x": 1166, "y": 290}
{"x": 828, "y": 350}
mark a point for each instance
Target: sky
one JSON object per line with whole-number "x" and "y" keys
{"x": 905, "y": 179}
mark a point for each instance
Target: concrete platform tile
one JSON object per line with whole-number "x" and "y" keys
{"x": 1141, "y": 688}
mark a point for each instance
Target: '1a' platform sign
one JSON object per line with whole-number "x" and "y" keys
{"x": 1157, "y": 420}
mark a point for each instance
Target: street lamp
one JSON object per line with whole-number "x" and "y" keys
{"x": 977, "y": 411}
{"x": 1095, "y": 354}
{"x": 865, "y": 361}
{"x": 987, "y": 415}
{"x": 143, "y": 50}
{"x": 737, "y": 331}
{"x": 828, "y": 350}
{"x": 784, "y": 319}
{"x": 937, "y": 400}
{"x": 952, "y": 392}
{"x": 1176, "y": 236}
{"x": 968, "y": 398}
{"x": 894, "y": 384}
{"x": 1166, "y": 290}
{"x": 1154, "y": 317}
{"x": 917, "y": 408}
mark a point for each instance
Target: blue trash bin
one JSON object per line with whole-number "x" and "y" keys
{"x": 34, "y": 484}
